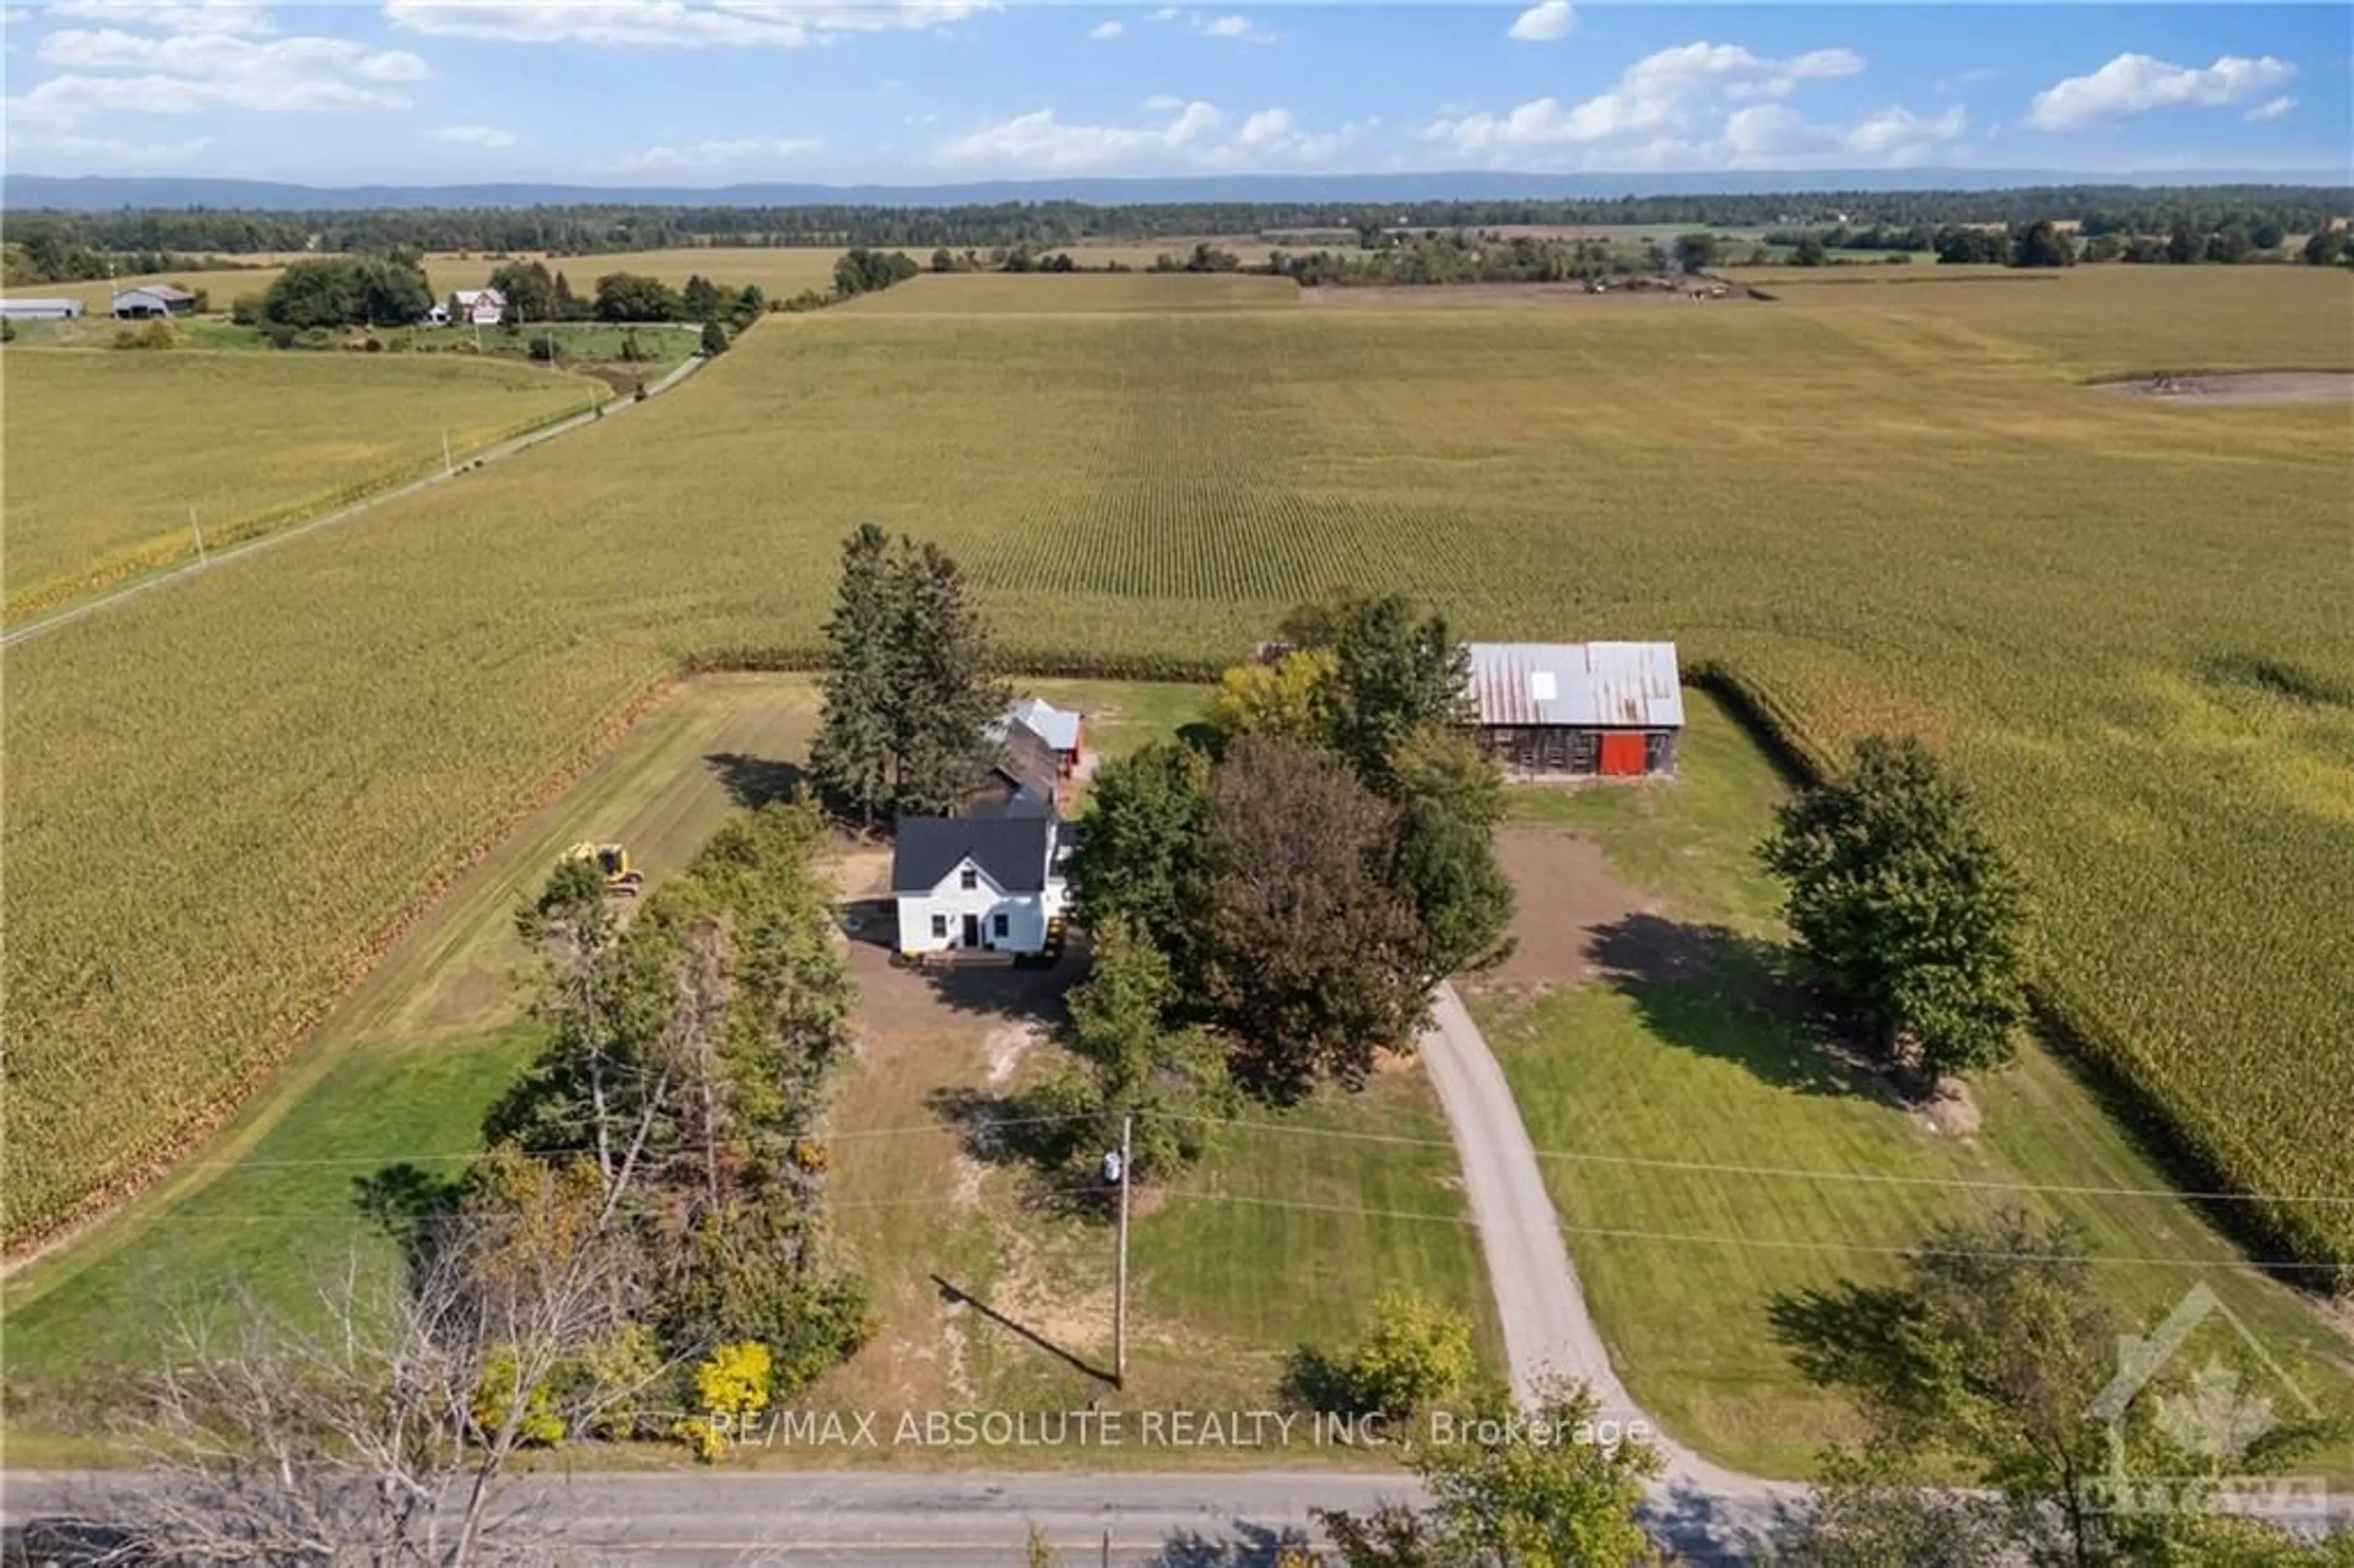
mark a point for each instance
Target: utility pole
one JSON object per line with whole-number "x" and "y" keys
{"x": 195, "y": 528}
{"x": 1119, "y": 1286}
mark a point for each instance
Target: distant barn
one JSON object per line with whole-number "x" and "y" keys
{"x": 1555, "y": 709}
{"x": 24, "y": 309}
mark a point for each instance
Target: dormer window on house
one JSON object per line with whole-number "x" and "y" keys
{"x": 969, "y": 880}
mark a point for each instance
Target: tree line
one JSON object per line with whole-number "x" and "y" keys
{"x": 48, "y": 239}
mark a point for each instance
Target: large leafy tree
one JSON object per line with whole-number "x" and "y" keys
{"x": 682, "y": 1071}
{"x": 1994, "y": 1352}
{"x": 1903, "y": 903}
{"x": 1277, "y": 698}
{"x": 1450, "y": 799}
{"x": 851, "y": 753}
{"x": 946, "y": 693}
{"x": 1135, "y": 1062}
{"x": 1139, "y": 841}
{"x": 1299, "y": 944}
{"x": 348, "y": 290}
{"x": 1394, "y": 672}
{"x": 1539, "y": 1491}
{"x": 634, "y": 297}
{"x": 529, "y": 290}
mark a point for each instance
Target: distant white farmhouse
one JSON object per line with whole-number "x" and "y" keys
{"x": 482, "y": 307}
{"x": 39, "y": 310}
{"x": 992, "y": 882}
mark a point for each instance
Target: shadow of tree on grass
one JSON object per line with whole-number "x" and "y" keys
{"x": 754, "y": 781}
{"x": 1713, "y": 990}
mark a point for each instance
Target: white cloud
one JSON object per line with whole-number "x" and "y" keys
{"x": 242, "y": 16}
{"x": 1162, "y": 102}
{"x": 2136, "y": 84}
{"x": 103, "y": 151}
{"x": 1188, "y": 137}
{"x": 1165, "y": 14}
{"x": 736, "y": 152}
{"x": 1774, "y": 136}
{"x": 486, "y": 136}
{"x": 189, "y": 73}
{"x": 672, "y": 24}
{"x": 1543, "y": 23}
{"x": 1038, "y": 142}
{"x": 1105, "y": 30}
{"x": 2278, "y": 109}
{"x": 1241, "y": 29}
{"x": 1654, "y": 104}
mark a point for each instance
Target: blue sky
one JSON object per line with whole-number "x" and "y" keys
{"x": 705, "y": 92}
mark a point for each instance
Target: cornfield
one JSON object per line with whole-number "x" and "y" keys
{"x": 109, "y": 454}
{"x": 1881, "y": 508}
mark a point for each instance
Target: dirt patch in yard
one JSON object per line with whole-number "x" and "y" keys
{"x": 2258, "y": 387}
{"x": 1567, "y": 895}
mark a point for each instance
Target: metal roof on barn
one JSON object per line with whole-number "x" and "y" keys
{"x": 1586, "y": 686}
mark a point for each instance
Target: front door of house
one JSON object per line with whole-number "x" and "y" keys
{"x": 972, "y": 930}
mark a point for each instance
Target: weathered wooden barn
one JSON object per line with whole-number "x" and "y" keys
{"x": 1556, "y": 709}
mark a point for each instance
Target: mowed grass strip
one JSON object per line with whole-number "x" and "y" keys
{"x": 109, "y": 454}
{"x": 1643, "y": 1076}
{"x": 1893, "y": 508}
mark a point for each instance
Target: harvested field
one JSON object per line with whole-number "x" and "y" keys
{"x": 1078, "y": 293}
{"x": 2258, "y": 387}
{"x": 335, "y": 724}
{"x": 1490, "y": 296}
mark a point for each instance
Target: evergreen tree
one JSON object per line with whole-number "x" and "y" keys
{"x": 944, "y": 695}
{"x": 851, "y": 753}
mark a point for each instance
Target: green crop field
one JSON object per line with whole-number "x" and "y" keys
{"x": 108, "y": 451}
{"x": 1886, "y": 507}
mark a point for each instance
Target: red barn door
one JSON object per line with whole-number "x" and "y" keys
{"x": 1622, "y": 753}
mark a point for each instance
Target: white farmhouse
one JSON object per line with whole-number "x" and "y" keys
{"x": 987, "y": 883}
{"x": 482, "y": 307}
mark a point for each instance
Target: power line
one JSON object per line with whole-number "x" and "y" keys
{"x": 1693, "y": 1240}
{"x": 1688, "y": 1167}
{"x": 1792, "y": 1172}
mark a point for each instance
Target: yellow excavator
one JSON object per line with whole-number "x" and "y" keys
{"x": 612, "y": 862}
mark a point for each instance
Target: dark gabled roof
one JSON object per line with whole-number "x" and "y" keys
{"x": 1025, "y": 762}
{"x": 1011, "y": 848}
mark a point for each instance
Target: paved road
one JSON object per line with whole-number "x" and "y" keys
{"x": 116, "y": 596}
{"x": 886, "y": 1521}
{"x": 1547, "y": 1330}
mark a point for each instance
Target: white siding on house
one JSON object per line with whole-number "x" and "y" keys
{"x": 934, "y": 922}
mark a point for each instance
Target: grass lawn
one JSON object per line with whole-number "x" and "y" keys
{"x": 248, "y": 441}
{"x": 1649, "y": 1066}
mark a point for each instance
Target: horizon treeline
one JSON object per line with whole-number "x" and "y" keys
{"x": 51, "y": 245}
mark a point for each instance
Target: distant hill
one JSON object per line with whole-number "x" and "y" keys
{"x": 106, "y": 193}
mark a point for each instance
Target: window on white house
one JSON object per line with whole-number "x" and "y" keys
{"x": 939, "y": 925}
{"x": 969, "y": 880}
{"x": 998, "y": 926}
